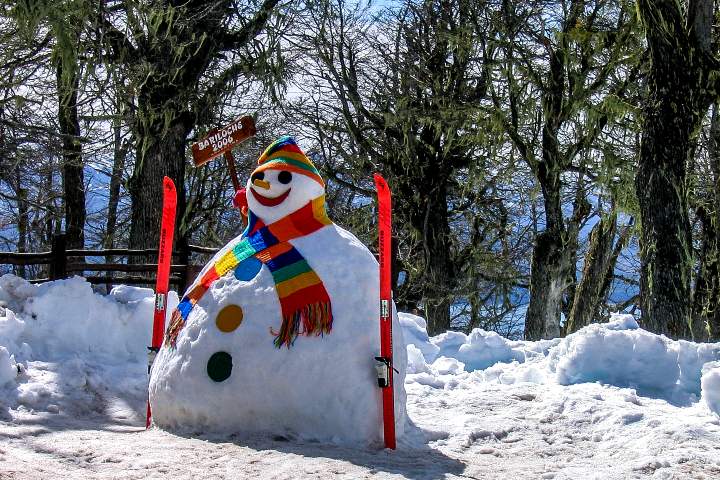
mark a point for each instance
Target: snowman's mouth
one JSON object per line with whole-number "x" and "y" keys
{"x": 270, "y": 201}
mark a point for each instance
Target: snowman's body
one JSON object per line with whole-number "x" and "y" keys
{"x": 321, "y": 387}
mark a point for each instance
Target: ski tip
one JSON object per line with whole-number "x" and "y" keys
{"x": 168, "y": 184}
{"x": 380, "y": 182}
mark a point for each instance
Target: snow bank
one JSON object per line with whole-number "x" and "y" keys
{"x": 8, "y": 367}
{"x": 416, "y": 360}
{"x": 476, "y": 351}
{"x": 414, "y": 330}
{"x": 613, "y": 354}
{"x": 711, "y": 386}
{"x": 64, "y": 319}
{"x": 67, "y": 350}
{"x": 617, "y": 353}
{"x": 622, "y": 354}
{"x": 10, "y": 329}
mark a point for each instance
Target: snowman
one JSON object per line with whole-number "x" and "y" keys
{"x": 279, "y": 332}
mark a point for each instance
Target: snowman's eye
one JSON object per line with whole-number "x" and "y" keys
{"x": 285, "y": 177}
{"x": 258, "y": 176}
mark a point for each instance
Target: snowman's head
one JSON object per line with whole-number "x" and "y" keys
{"x": 284, "y": 181}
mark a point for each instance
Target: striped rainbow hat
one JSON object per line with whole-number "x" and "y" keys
{"x": 284, "y": 154}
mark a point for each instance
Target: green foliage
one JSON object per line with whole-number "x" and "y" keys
{"x": 65, "y": 20}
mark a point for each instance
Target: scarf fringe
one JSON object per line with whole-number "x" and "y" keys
{"x": 313, "y": 319}
{"x": 176, "y": 324}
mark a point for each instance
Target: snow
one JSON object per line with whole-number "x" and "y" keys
{"x": 617, "y": 358}
{"x": 480, "y": 349}
{"x": 415, "y": 333}
{"x": 546, "y": 410}
{"x": 66, "y": 318}
{"x": 8, "y": 367}
{"x": 617, "y": 353}
{"x": 711, "y": 386}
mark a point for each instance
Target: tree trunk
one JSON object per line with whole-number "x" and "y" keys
{"x": 160, "y": 152}
{"x": 549, "y": 269}
{"x": 73, "y": 179}
{"x": 120, "y": 150}
{"x": 51, "y": 217}
{"x": 621, "y": 243}
{"x": 665, "y": 242}
{"x": 598, "y": 260}
{"x": 677, "y": 101}
{"x": 440, "y": 274}
{"x": 706, "y": 298}
{"x": 23, "y": 217}
{"x": 706, "y": 313}
{"x": 548, "y": 281}
{"x": 178, "y": 49}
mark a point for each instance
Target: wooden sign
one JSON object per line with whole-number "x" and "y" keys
{"x": 221, "y": 140}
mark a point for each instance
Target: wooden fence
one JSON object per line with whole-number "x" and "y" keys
{"x": 64, "y": 262}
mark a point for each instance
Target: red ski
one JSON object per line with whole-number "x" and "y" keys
{"x": 385, "y": 360}
{"x": 167, "y": 228}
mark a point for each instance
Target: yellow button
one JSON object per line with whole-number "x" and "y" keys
{"x": 229, "y": 318}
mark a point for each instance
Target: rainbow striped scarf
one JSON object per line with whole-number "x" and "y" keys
{"x": 305, "y": 304}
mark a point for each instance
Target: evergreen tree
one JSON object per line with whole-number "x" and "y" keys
{"x": 681, "y": 87}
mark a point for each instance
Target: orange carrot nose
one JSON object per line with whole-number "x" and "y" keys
{"x": 261, "y": 183}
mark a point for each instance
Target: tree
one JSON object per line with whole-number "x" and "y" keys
{"x": 30, "y": 202}
{"x": 65, "y": 23}
{"x": 73, "y": 177}
{"x": 562, "y": 69}
{"x": 600, "y": 260}
{"x": 403, "y": 95}
{"x": 681, "y": 87}
{"x": 706, "y": 203}
{"x": 181, "y": 55}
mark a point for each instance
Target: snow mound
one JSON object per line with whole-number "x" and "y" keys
{"x": 620, "y": 353}
{"x": 477, "y": 351}
{"x": 8, "y": 367}
{"x": 617, "y": 353}
{"x": 65, "y": 349}
{"x": 414, "y": 331}
{"x": 416, "y": 360}
{"x": 711, "y": 386}
{"x": 66, "y": 318}
{"x": 66, "y": 322}
{"x": 448, "y": 366}
{"x": 10, "y": 329}
{"x": 625, "y": 358}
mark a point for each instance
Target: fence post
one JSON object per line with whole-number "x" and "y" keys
{"x": 58, "y": 265}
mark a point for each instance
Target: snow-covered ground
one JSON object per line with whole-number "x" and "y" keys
{"x": 611, "y": 401}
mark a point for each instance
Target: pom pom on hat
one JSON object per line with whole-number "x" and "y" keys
{"x": 284, "y": 154}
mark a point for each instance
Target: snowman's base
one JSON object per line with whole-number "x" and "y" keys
{"x": 224, "y": 377}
